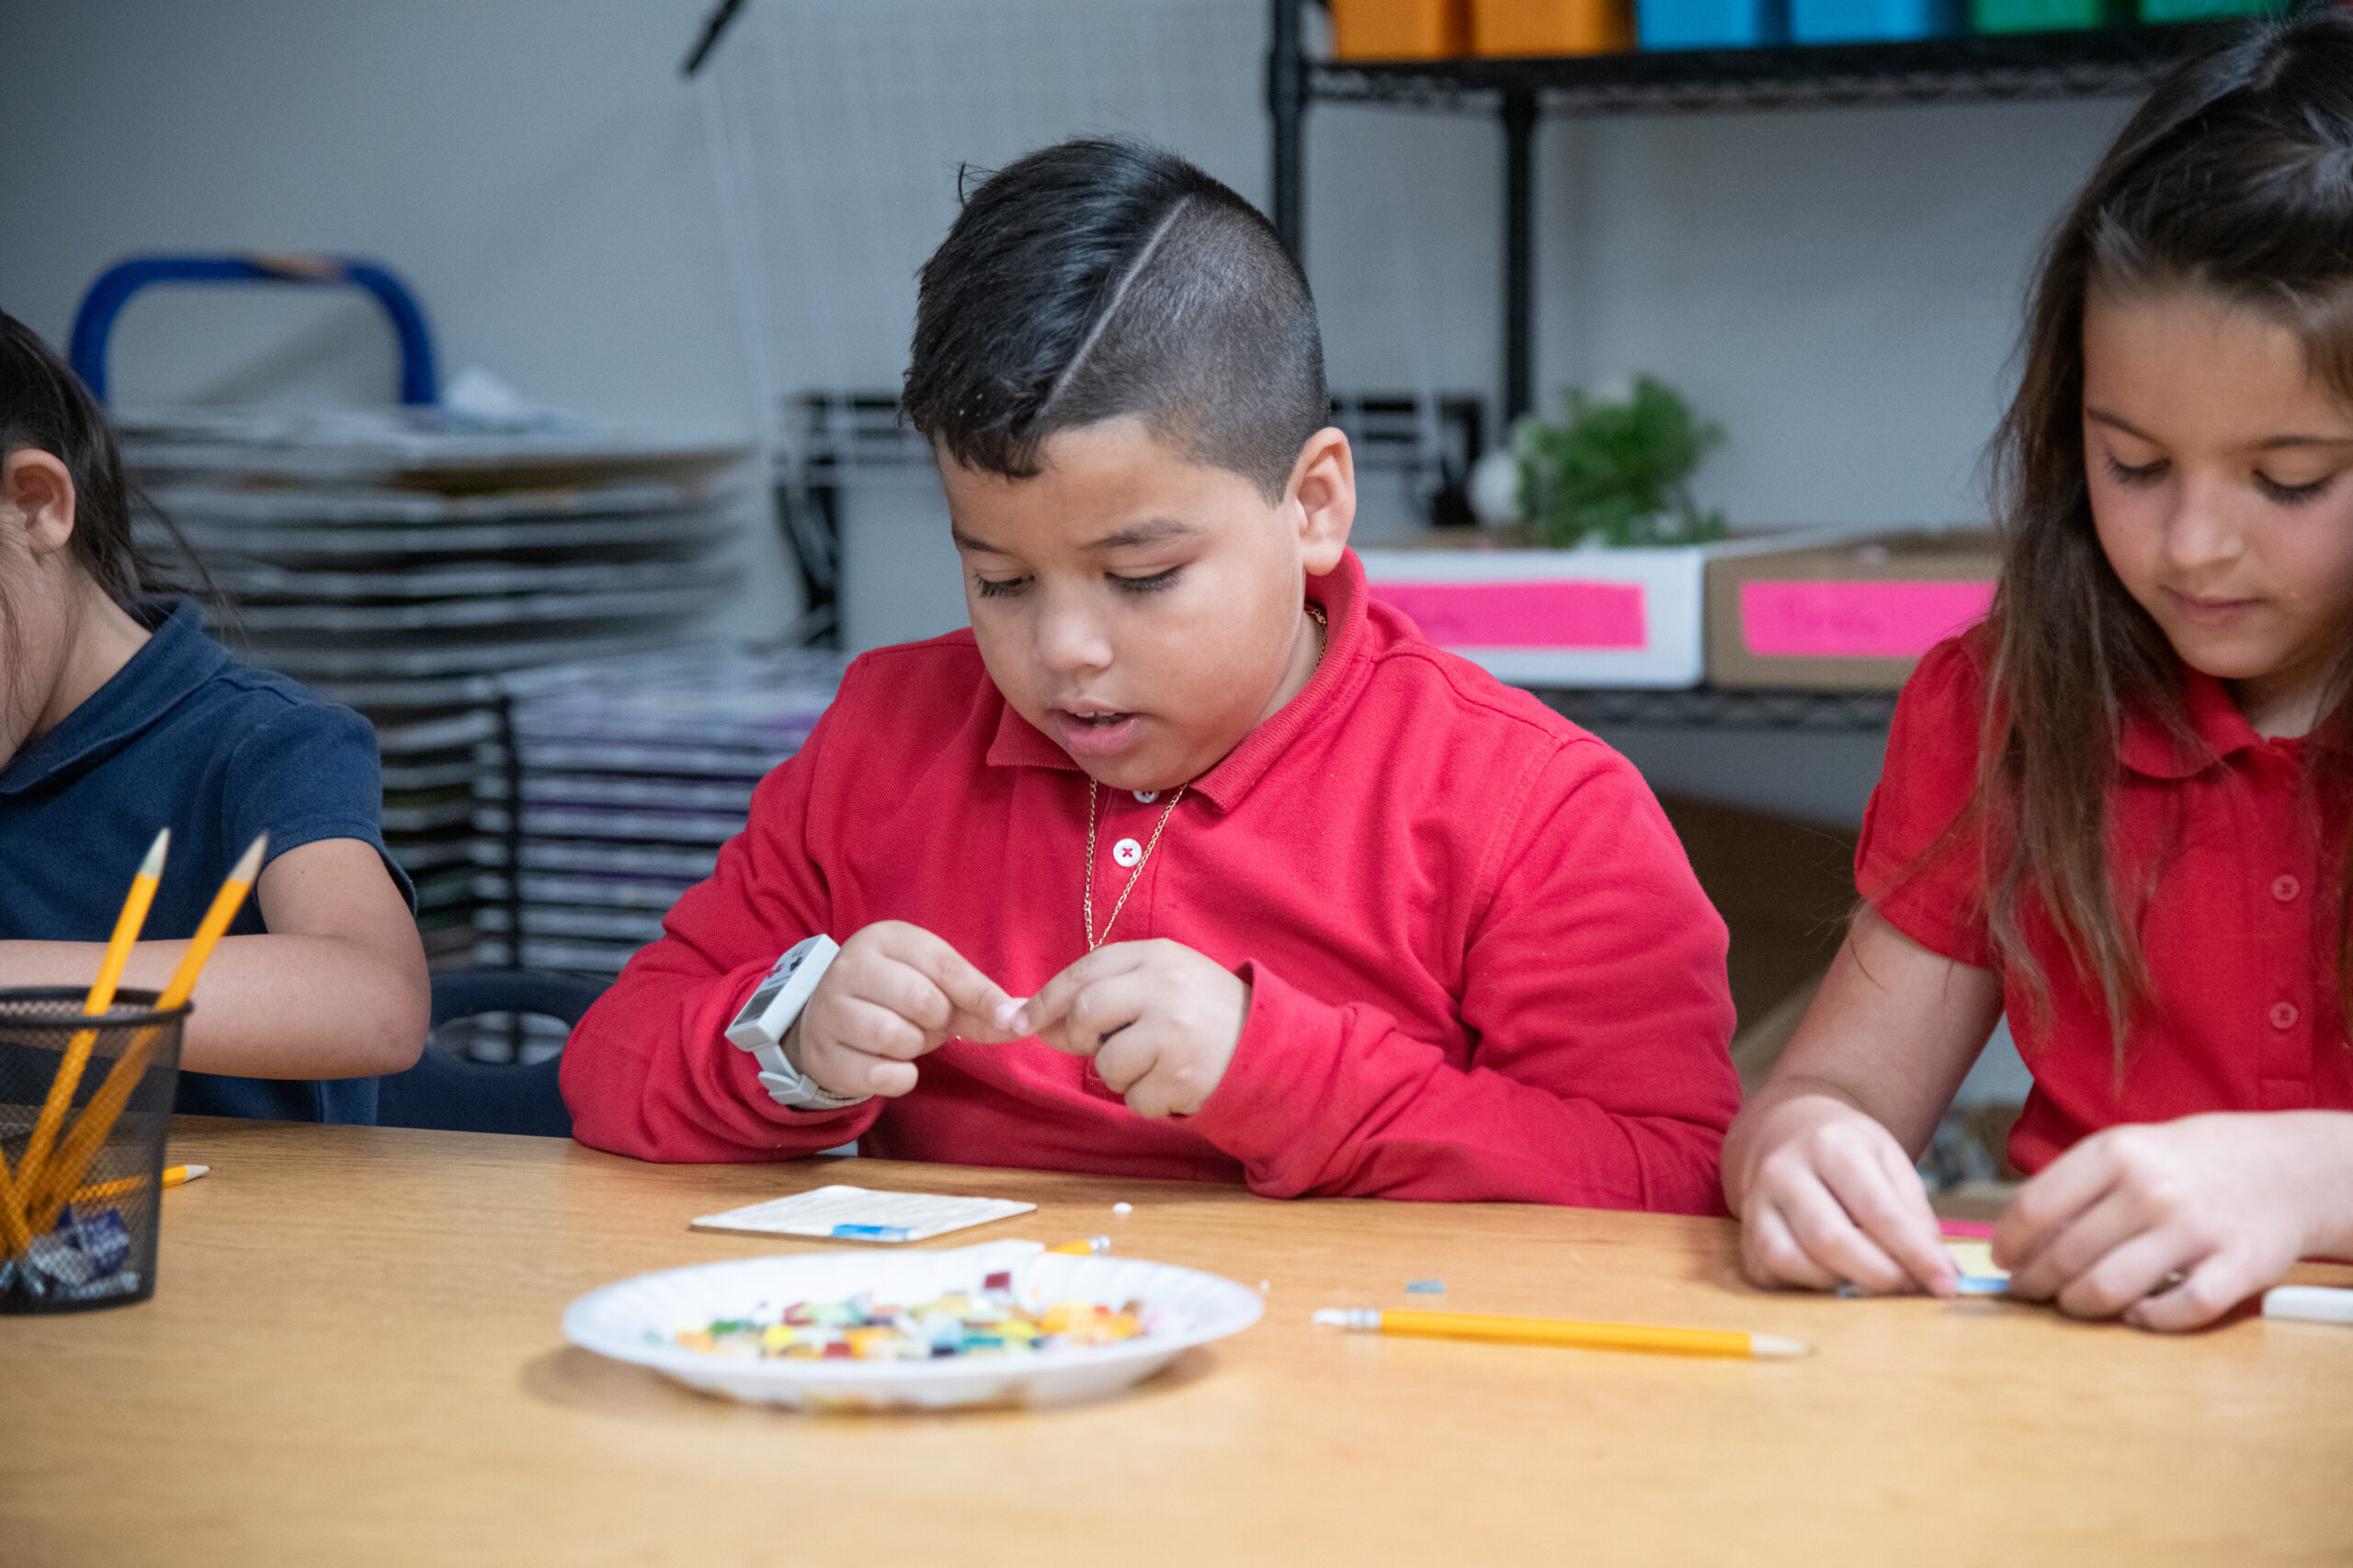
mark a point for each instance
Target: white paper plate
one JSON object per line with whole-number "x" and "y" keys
{"x": 635, "y": 1320}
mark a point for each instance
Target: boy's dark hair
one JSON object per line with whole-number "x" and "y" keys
{"x": 1099, "y": 278}
{"x": 45, "y": 406}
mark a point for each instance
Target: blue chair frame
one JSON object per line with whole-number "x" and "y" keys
{"x": 457, "y": 1095}
{"x": 94, "y": 321}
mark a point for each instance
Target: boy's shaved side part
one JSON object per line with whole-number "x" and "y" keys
{"x": 1109, "y": 313}
{"x": 1099, "y": 278}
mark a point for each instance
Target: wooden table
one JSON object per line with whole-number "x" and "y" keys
{"x": 355, "y": 1358}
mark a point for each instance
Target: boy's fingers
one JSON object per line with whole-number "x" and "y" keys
{"x": 864, "y": 1074}
{"x": 968, "y": 991}
{"x": 1126, "y": 1055}
{"x": 873, "y": 1030}
{"x": 1103, "y": 1010}
{"x": 905, "y": 990}
{"x": 1051, "y": 1004}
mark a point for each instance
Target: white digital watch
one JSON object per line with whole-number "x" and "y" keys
{"x": 769, "y": 1016}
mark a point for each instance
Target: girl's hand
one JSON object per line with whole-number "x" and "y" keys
{"x": 894, "y": 992}
{"x": 1832, "y": 1198}
{"x": 2172, "y": 1225}
{"x": 1161, "y": 1020}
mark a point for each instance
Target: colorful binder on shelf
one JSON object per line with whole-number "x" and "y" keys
{"x": 2205, "y": 10}
{"x": 1712, "y": 24}
{"x": 2047, "y": 16}
{"x": 1401, "y": 29}
{"x": 1551, "y": 27}
{"x": 1864, "y": 21}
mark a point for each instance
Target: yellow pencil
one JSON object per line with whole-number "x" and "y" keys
{"x": 127, "y": 927}
{"x": 99, "y": 1191}
{"x": 15, "y": 1188}
{"x": 63, "y": 1174}
{"x": 1091, "y": 1246}
{"x": 1559, "y": 1331}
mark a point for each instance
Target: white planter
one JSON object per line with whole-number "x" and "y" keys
{"x": 1589, "y": 617}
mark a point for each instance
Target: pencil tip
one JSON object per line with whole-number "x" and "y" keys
{"x": 1773, "y": 1345}
{"x": 249, "y": 865}
{"x": 153, "y": 865}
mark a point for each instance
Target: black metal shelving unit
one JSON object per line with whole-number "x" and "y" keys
{"x": 2107, "y": 63}
{"x": 1721, "y": 708}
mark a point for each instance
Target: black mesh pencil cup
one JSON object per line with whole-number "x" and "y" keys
{"x": 81, "y": 1197}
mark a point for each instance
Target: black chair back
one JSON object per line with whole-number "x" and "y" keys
{"x": 451, "y": 1093}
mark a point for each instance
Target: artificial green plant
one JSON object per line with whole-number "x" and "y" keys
{"x": 1617, "y": 471}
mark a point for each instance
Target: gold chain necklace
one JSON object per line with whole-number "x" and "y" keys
{"x": 1323, "y": 628}
{"x": 1092, "y": 941}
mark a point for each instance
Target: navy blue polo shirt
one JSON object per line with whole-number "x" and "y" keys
{"x": 185, "y": 737}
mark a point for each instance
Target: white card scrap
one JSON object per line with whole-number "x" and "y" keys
{"x": 860, "y": 1214}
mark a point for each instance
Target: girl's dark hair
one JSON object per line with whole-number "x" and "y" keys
{"x": 2234, "y": 179}
{"x": 44, "y": 406}
{"x": 1099, "y": 277}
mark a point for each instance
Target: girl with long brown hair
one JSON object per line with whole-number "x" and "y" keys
{"x": 2117, "y": 810}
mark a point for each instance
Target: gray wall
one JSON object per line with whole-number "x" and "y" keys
{"x": 1840, "y": 289}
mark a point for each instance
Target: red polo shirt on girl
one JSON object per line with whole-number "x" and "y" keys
{"x": 1480, "y": 965}
{"x": 2239, "y": 923}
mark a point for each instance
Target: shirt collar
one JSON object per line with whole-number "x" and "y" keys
{"x": 2218, "y": 730}
{"x": 177, "y": 659}
{"x": 1341, "y": 596}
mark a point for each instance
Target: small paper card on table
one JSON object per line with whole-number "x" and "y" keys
{"x": 860, "y": 1214}
{"x": 1980, "y": 1275}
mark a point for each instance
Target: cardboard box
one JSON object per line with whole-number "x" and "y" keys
{"x": 1854, "y": 614}
{"x": 1592, "y": 617}
{"x": 1554, "y": 617}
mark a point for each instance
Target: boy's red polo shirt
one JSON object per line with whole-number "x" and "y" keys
{"x": 1481, "y": 967}
{"x": 2239, "y": 923}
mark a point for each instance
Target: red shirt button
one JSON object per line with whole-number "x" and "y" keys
{"x": 2285, "y": 888}
{"x": 2284, "y": 1014}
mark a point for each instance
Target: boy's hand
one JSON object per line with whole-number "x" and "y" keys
{"x": 1832, "y": 1200}
{"x": 894, "y": 992}
{"x": 1160, "y": 1019}
{"x": 2172, "y": 1225}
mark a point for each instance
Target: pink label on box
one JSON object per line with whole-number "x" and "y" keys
{"x": 1857, "y": 621}
{"x": 1559, "y": 614}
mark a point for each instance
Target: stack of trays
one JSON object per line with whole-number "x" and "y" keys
{"x": 629, "y": 774}
{"x": 403, "y": 560}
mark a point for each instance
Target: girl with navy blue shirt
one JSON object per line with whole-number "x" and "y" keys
{"x": 118, "y": 716}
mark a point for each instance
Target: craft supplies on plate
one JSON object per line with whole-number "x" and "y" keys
{"x": 859, "y": 1214}
{"x": 1172, "y": 1309}
{"x": 991, "y": 1320}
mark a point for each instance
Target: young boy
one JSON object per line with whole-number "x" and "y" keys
{"x": 1187, "y": 859}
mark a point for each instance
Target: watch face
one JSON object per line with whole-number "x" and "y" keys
{"x": 767, "y": 993}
